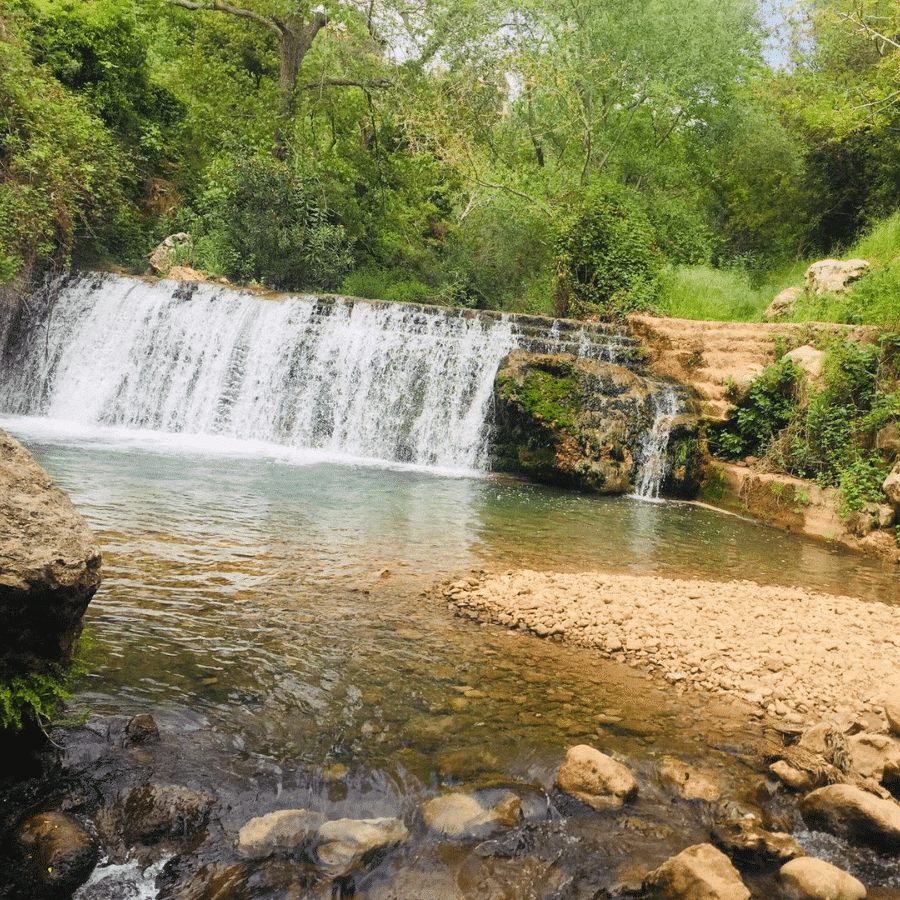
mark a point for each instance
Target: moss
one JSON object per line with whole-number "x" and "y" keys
{"x": 713, "y": 487}
{"x": 549, "y": 394}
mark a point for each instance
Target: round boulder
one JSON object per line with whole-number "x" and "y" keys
{"x": 814, "y": 879}
{"x": 595, "y": 778}
{"x": 57, "y": 855}
{"x": 699, "y": 872}
{"x": 855, "y": 815}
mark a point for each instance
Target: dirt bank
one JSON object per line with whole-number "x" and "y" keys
{"x": 794, "y": 654}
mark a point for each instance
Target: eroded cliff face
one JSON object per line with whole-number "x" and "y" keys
{"x": 49, "y": 566}
{"x": 583, "y": 423}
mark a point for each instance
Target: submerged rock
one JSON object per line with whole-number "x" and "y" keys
{"x": 815, "y": 879}
{"x": 49, "y": 566}
{"x": 462, "y": 815}
{"x": 280, "y": 830}
{"x": 345, "y": 843}
{"x": 595, "y": 778}
{"x": 699, "y": 873}
{"x": 855, "y": 815}
{"x": 583, "y": 423}
{"x": 747, "y": 842}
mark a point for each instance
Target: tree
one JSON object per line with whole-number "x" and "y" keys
{"x": 296, "y": 30}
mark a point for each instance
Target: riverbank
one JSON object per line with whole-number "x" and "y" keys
{"x": 794, "y": 654}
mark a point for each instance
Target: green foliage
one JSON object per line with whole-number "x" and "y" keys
{"x": 831, "y": 438}
{"x": 279, "y": 231}
{"x": 59, "y": 169}
{"x": 767, "y": 405}
{"x": 606, "y": 258}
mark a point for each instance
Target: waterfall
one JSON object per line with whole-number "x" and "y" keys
{"x": 389, "y": 381}
{"x": 655, "y": 443}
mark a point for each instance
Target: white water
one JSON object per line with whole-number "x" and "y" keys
{"x": 385, "y": 381}
{"x": 655, "y": 444}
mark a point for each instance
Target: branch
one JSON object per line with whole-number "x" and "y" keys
{"x": 219, "y": 6}
{"x": 868, "y": 29}
{"x": 348, "y": 82}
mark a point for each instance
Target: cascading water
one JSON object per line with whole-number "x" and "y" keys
{"x": 656, "y": 442}
{"x": 385, "y": 381}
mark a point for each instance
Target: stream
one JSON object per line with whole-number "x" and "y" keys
{"x": 271, "y": 608}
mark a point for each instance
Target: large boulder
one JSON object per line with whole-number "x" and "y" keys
{"x": 49, "y": 566}
{"x": 834, "y": 275}
{"x": 814, "y": 879}
{"x": 699, "y": 873}
{"x": 855, "y": 815}
{"x": 583, "y": 423}
{"x": 344, "y": 844}
{"x": 56, "y": 855}
{"x": 595, "y": 778}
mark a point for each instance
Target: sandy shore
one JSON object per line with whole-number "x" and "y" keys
{"x": 797, "y": 655}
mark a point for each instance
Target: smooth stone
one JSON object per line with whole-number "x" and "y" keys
{"x": 595, "y": 778}
{"x": 814, "y": 879}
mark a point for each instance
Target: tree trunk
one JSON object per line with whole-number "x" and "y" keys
{"x": 296, "y": 38}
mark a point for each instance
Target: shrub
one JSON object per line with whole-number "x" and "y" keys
{"x": 606, "y": 258}
{"x": 279, "y": 230}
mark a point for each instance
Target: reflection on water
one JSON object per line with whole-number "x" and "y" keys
{"x": 283, "y": 601}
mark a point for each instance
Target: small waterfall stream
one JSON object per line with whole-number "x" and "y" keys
{"x": 392, "y": 382}
{"x": 655, "y": 444}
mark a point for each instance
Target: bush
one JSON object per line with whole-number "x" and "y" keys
{"x": 279, "y": 231}
{"x": 606, "y": 258}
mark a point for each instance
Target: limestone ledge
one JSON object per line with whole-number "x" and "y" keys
{"x": 795, "y": 654}
{"x": 800, "y": 506}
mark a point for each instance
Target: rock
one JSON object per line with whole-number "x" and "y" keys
{"x": 796, "y": 779}
{"x": 595, "y": 778}
{"x": 581, "y": 423}
{"x": 700, "y": 872}
{"x": 892, "y": 714}
{"x": 49, "y": 566}
{"x": 157, "y": 814}
{"x": 809, "y": 360}
{"x": 56, "y": 855}
{"x": 814, "y": 879}
{"x": 141, "y": 729}
{"x": 280, "y": 830}
{"x": 888, "y": 440}
{"x": 164, "y": 256}
{"x": 891, "y": 486}
{"x": 691, "y": 784}
{"x": 462, "y": 815}
{"x": 875, "y": 756}
{"x": 747, "y": 842}
{"x": 783, "y": 304}
{"x": 830, "y": 275}
{"x": 185, "y": 273}
{"x": 345, "y": 843}
{"x": 855, "y": 815}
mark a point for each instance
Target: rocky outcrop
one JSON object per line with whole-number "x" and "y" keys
{"x": 170, "y": 251}
{"x": 582, "y": 423}
{"x": 49, "y": 566}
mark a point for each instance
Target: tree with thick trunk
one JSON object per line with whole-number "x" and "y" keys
{"x": 296, "y": 35}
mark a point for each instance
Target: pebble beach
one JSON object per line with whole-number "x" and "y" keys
{"x": 790, "y": 653}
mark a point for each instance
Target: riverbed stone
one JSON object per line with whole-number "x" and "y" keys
{"x": 281, "y": 830}
{"x": 463, "y": 815}
{"x": 797, "y": 780}
{"x": 162, "y": 813}
{"x": 49, "y": 566}
{"x": 700, "y": 872}
{"x": 345, "y": 843}
{"x": 752, "y": 846}
{"x": 56, "y": 855}
{"x": 855, "y": 815}
{"x": 691, "y": 784}
{"x": 815, "y": 879}
{"x": 875, "y": 756}
{"x": 595, "y": 778}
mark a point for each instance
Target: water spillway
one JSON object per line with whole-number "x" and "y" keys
{"x": 394, "y": 382}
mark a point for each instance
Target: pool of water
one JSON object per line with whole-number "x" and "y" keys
{"x": 280, "y": 602}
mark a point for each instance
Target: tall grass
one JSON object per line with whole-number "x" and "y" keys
{"x": 729, "y": 295}
{"x": 734, "y": 295}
